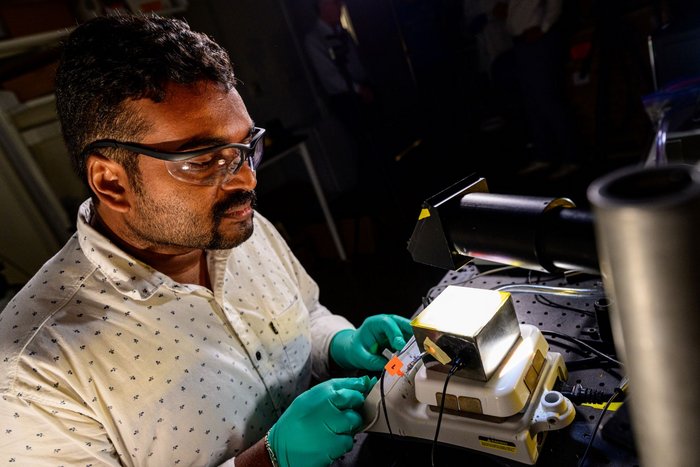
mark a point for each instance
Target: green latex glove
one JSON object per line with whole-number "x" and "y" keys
{"x": 319, "y": 425}
{"x": 361, "y": 348}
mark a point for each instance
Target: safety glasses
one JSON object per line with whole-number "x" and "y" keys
{"x": 212, "y": 165}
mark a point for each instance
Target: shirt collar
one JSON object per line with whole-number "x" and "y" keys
{"x": 125, "y": 273}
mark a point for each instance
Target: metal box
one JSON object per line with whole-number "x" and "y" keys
{"x": 478, "y": 326}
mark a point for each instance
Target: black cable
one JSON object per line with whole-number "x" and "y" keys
{"x": 540, "y": 279}
{"x": 455, "y": 366}
{"x": 549, "y": 302}
{"x": 618, "y": 391}
{"x": 583, "y": 344}
{"x": 582, "y": 363}
{"x": 589, "y": 363}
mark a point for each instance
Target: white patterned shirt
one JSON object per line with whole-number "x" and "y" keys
{"x": 106, "y": 361}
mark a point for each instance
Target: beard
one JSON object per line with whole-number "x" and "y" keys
{"x": 172, "y": 223}
{"x": 243, "y": 229}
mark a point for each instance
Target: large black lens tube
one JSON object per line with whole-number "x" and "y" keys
{"x": 648, "y": 233}
{"x": 529, "y": 232}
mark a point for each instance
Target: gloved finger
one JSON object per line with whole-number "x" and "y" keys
{"x": 344, "y": 422}
{"x": 406, "y": 331}
{"x": 370, "y": 384}
{"x": 360, "y": 383}
{"x": 365, "y": 360}
{"x": 374, "y": 363}
{"x": 404, "y": 325}
{"x": 346, "y": 398}
{"x": 385, "y": 330}
{"x": 355, "y": 420}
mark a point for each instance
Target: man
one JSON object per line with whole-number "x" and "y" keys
{"x": 176, "y": 326}
{"x": 335, "y": 58}
{"x": 540, "y": 51}
{"x": 485, "y": 19}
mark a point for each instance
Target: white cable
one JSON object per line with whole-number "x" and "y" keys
{"x": 550, "y": 290}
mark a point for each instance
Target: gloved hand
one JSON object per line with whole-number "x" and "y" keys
{"x": 361, "y": 348}
{"x": 319, "y": 425}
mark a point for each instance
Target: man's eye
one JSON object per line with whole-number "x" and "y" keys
{"x": 202, "y": 163}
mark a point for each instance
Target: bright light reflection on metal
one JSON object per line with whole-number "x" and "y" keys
{"x": 464, "y": 313}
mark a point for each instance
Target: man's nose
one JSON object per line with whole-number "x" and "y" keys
{"x": 244, "y": 178}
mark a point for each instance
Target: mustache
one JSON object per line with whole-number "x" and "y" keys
{"x": 236, "y": 199}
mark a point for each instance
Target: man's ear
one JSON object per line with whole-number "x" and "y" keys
{"x": 109, "y": 181}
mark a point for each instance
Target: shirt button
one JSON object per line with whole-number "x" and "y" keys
{"x": 258, "y": 355}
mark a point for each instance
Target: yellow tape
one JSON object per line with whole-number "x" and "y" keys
{"x": 423, "y": 214}
{"x": 613, "y": 407}
{"x": 432, "y": 348}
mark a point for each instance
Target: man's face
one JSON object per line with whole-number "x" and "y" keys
{"x": 172, "y": 216}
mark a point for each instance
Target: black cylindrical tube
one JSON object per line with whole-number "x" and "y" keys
{"x": 567, "y": 241}
{"x": 524, "y": 231}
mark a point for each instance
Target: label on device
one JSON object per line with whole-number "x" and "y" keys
{"x": 499, "y": 444}
{"x": 394, "y": 366}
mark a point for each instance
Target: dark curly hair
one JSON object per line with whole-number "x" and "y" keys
{"x": 110, "y": 60}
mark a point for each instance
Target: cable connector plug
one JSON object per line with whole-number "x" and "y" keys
{"x": 579, "y": 394}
